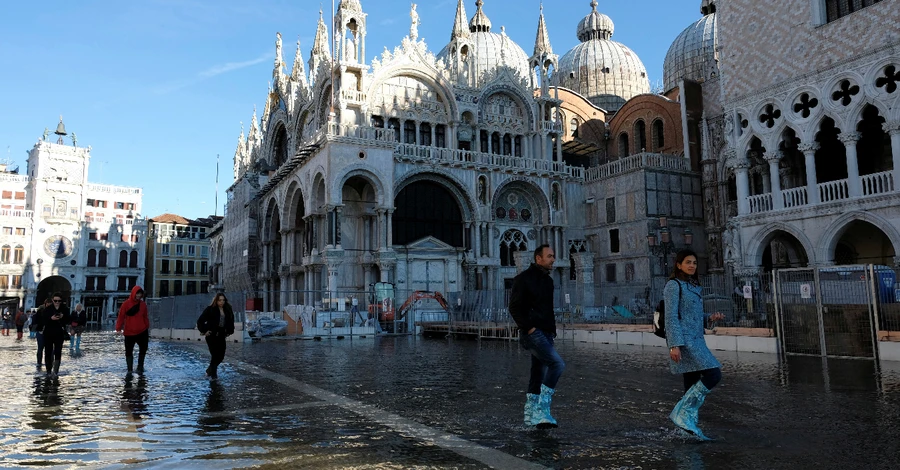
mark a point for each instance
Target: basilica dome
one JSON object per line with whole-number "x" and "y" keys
{"x": 604, "y": 71}
{"x": 693, "y": 54}
{"x": 491, "y": 50}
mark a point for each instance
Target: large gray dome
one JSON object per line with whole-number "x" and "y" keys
{"x": 604, "y": 71}
{"x": 693, "y": 54}
{"x": 492, "y": 50}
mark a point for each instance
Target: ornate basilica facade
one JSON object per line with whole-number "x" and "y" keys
{"x": 442, "y": 171}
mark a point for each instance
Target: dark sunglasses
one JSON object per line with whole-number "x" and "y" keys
{"x": 57, "y": 301}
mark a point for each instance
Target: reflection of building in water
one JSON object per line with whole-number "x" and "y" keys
{"x": 62, "y": 233}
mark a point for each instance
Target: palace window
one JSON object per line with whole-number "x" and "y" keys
{"x": 511, "y": 242}
{"x": 19, "y": 255}
{"x": 835, "y": 9}
{"x": 4, "y": 254}
{"x": 101, "y": 258}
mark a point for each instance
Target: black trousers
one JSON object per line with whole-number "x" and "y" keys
{"x": 52, "y": 351}
{"x": 216, "y": 346}
{"x": 142, "y": 340}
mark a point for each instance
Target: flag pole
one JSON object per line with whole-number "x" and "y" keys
{"x": 216, "y": 210}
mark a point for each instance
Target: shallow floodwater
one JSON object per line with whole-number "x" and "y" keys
{"x": 406, "y": 402}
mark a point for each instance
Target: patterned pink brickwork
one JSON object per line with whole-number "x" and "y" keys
{"x": 762, "y": 44}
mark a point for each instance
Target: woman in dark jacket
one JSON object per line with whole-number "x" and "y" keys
{"x": 134, "y": 322}
{"x": 55, "y": 318}
{"x": 216, "y": 323}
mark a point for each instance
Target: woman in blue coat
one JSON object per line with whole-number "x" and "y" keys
{"x": 688, "y": 353}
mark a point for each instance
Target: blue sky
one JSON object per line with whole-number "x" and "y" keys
{"x": 159, "y": 87}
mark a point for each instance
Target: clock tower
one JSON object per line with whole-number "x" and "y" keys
{"x": 84, "y": 240}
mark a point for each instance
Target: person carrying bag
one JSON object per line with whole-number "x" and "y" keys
{"x": 216, "y": 323}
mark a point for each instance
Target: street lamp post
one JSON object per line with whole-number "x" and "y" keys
{"x": 659, "y": 240}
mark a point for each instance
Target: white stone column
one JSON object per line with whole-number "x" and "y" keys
{"x": 490, "y": 142}
{"x": 433, "y": 134}
{"x": 512, "y": 145}
{"x": 477, "y": 140}
{"x": 380, "y": 229}
{"x": 741, "y": 170}
{"x": 774, "y": 158}
{"x": 893, "y": 128}
{"x": 402, "y": 131}
{"x": 559, "y": 155}
{"x": 390, "y": 229}
{"x": 812, "y": 185}
{"x": 477, "y": 239}
{"x": 854, "y": 183}
{"x": 543, "y": 149}
{"x": 418, "y": 133}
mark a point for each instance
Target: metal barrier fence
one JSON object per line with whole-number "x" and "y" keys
{"x": 829, "y": 311}
{"x": 746, "y": 301}
{"x": 888, "y": 298}
{"x": 182, "y": 312}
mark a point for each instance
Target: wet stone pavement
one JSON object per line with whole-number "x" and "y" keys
{"x": 414, "y": 403}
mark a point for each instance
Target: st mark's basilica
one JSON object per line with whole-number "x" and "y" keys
{"x": 443, "y": 171}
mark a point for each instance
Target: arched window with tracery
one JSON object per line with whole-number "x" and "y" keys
{"x": 511, "y": 242}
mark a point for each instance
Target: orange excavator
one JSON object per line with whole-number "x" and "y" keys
{"x": 383, "y": 305}
{"x": 419, "y": 295}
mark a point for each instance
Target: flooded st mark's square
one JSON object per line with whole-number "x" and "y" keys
{"x": 408, "y": 402}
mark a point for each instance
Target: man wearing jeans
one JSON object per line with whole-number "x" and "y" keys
{"x": 531, "y": 306}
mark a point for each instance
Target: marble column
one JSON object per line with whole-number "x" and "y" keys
{"x": 812, "y": 186}
{"x": 742, "y": 178}
{"x": 390, "y": 228}
{"x": 854, "y": 183}
{"x": 893, "y": 128}
{"x": 418, "y": 133}
{"x": 433, "y": 134}
{"x": 774, "y": 158}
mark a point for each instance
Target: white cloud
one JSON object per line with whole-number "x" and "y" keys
{"x": 211, "y": 72}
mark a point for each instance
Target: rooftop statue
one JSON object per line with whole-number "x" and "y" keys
{"x": 414, "y": 28}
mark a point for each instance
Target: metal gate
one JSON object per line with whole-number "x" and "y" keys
{"x": 827, "y": 311}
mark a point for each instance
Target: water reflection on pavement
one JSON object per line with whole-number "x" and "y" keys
{"x": 405, "y": 402}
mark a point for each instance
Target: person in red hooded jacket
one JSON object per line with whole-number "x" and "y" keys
{"x": 134, "y": 322}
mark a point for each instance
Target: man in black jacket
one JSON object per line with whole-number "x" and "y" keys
{"x": 531, "y": 306}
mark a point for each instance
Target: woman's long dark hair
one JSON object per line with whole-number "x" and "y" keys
{"x": 216, "y": 299}
{"x": 681, "y": 275}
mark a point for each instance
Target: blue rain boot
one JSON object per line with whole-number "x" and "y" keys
{"x": 542, "y": 418}
{"x": 532, "y": 405}
{"x": 686, "y": 412}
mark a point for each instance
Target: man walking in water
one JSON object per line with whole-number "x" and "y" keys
{"x": 531, "y": 306}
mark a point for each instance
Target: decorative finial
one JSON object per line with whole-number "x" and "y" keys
{"x": 594, "y": 4}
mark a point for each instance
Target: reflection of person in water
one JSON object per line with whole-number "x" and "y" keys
{"x": 212, "y": 414}
{"x": 134, "y": 396}
{"x": 46, "y": 410}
